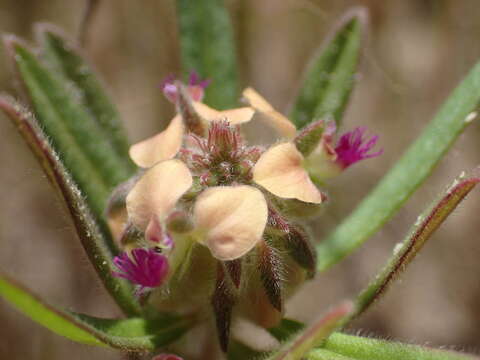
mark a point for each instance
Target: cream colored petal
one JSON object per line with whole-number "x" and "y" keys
{"x": 234, "y": 116}
{"x": 256, "y": 100}
{"x": 280, "y": 171}
{"x": 239, "y": 115}
{"x": 276, "y": 120}
{"x": 206, "y": 111}
{"x": 162, "y": 146}
{"x": 231, "y": 219}
{"x": 157, "y": 192}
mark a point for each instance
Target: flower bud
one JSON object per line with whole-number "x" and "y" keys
{"x": 309, "y": 137}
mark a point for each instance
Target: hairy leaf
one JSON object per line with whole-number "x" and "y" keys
{"x": 96, "y": 244}
{"x": 73, "y": 131}
{"x": 207, "y": 45}
{"x": 342, "y": 347}
{"x": 404, "y": 252}
{"x": 329, "y": 79}
{"x": 361, "y": 348}
{"x": 63, "y": 56}
{"x": 126, "y": 334}
{"x": 314, "y": 335}
{"x": 407, "y": 175}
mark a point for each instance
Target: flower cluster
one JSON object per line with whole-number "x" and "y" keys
{"x": 203, "y": 187}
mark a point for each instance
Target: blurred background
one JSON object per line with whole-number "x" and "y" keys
{"x": 416, "y": 52}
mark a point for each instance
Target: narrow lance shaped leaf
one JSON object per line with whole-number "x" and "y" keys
{"x": 330, "y": 77}
{"x": 207, "y": 46}
{"x": 314, "y": 335}
{"x": 63, "y": 56}
{"x": 126, "y": 334}
{"x": 404, "y": 252}
{"x": 407, "y": 175}
{"x": 93, "y": 240}
{"x": 361, "y": 348}
{"x": 74, "y": 132}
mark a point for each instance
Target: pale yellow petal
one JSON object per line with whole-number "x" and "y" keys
{"x": 231, "y": 219}
{"x": 280, "y": 171}
{"x": 276, "y": 120}
{"x": 256, "y": 100}
{"x": 157, "y": 192}
{"x": 239, "y": 115}
{"x": 162, "y": 146}
{"x": 206, "y": 111}
{"x": 233, "y": 116}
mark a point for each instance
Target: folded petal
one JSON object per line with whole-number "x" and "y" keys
{"x": 157, "y": 192}
{"x": 231, "y": 219}
{"x": 162, "y": 146}
{"x": 280, "y": 170}
{"x": 234, "y": 116}
{"x": 276, "y": 120}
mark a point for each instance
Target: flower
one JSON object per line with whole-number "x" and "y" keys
{"x": 230, "y": 211}
{"x": 144, "y": 267}
{"x": 352, "y": 147}
{"x": 202, "y": 186}
{"x": 311, "y": 149}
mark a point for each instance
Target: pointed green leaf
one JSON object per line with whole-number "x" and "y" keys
{"x": 126, "y": 334}
{"x": 74, "y": 132}
{"x": 329, "y": 80}
{"x": 98, "y": 246}
{"x": 407, "y": 175}
{"x": 63, "y": 57}
{"x": 207, "y": 46}
{"x": 427, "y": 223}
{"x": 314, "y": 335}
{"x": 362, "y": 348}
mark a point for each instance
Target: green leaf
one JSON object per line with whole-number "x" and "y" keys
{"x": 427, "y": 223}
{"x": 95, "y": 242}
{"x": 322, "y": 354}
{"x": 342, "y": 347}
{"x": 328, "y": 81}
{"x": 207, "y": 46}
{"x": 314, "y": 335}
{"x": 407, "y": 175}
{"x": 75, "y": 134}
{"x": 286, "y": 329}
{"x": 361, "y": 348}
{"x": 63, "y": 57}
{"x": 126, "y": 334}
{"x": 404, "y": 252}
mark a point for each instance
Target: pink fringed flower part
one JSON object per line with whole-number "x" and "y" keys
{"x": 145, "y": 268}
{"x": 196, "y": 87}
{"x": 353, "y": 146}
